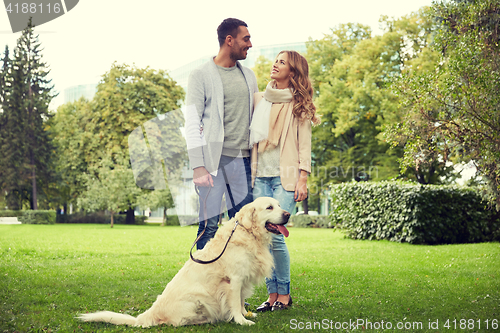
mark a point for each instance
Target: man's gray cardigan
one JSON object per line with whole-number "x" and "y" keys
{"x": 205, "y": 114}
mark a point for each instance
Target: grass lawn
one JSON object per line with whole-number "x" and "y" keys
{"x": 51, "y": 273}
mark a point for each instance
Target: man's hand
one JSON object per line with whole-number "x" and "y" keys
{"x": 201, "y": 177}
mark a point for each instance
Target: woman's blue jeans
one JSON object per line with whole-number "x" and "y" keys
{"x": 271, "y": 187}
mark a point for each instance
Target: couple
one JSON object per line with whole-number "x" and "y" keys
{"x": 247, "y": 144}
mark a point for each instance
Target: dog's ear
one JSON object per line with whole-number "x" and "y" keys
{"x": 246, "y": 216}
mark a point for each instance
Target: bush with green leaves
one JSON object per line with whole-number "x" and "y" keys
{"x": 38, "y": 217}
{"x": 11, "y": 213}
{"x": 97, "y": 218}
{"x": 417, "y": 214}
{"x": 310, "y": 221}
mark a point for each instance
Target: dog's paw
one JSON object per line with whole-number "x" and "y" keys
{"x": 243, "y": 321}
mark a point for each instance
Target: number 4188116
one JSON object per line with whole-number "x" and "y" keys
{"x": 471, "y": 324}
{"x": 33, "y": 8}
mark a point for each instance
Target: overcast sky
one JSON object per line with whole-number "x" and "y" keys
{"x": 81, "y": 45}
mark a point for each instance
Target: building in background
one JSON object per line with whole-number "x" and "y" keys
{"x": 74, "y": 93}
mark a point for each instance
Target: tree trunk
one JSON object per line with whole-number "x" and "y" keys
{"x": 112, "y": 221}
{"x": 130, "y": 218}
{"x": 164, "y": 223}
{"x": 33, "y": 183}
{"x": 31, "y": 135}
{"x": 305, "y": 205}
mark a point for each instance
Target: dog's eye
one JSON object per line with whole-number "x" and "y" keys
{"x": 270, "y": 207}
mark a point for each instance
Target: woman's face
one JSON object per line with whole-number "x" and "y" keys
{"x": 281, "y": 69}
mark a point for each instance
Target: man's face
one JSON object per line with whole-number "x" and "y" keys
{"x": 241, "y": 44}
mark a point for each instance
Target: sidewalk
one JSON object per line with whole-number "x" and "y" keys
{"x": 9, "y": 220}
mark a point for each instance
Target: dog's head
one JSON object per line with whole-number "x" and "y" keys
{"x": 264, "y": 213}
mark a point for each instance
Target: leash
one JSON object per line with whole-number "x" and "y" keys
{"x": 199, "y": 261}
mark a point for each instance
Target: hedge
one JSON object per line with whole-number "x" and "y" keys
{"x": 38, "y": 217}
{"x": 417, "y": 214}
{"x": 97, "y": 218}
{"x": 310, "y": 221}
{"x": 11, "y": 213}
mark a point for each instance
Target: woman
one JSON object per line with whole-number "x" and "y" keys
{"x": 281, "y": 155}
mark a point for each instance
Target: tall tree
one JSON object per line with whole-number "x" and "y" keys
{"x": 71, "y": 142}
{"x": 26, "y": 149}
{"x": 453, "y": 108}
{"x": 13, "y": 173}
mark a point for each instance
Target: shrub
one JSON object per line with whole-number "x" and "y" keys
{"x": 416, "y": 214}
{"x": 188, "y": 219}
{"x": 38, "y": 217}
{"x": 97, "y": 218}
{"x": 11, "y": 213}
{"x": 311, "y": 221}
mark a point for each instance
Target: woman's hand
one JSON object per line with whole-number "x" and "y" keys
{"x": 301, "y": 187}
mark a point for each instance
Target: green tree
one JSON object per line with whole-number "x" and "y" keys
{"x": 158, "y": 199}
{"x": 71, "y": 142}
{"x": 126, "y": 98}
{"x": 13, "y": 171}
{"x": 26, "y": 150}
{"x": 111, "y": 187}
{"x": 453, "y": 108}
{"x": 262, "y": 70}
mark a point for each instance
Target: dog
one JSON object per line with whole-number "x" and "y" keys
{"x": 208, "y": 293}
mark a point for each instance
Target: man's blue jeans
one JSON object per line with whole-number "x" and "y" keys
{"x": 238, "y": 174}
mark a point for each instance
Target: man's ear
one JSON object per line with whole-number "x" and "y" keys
{"x": 229, "y": 40}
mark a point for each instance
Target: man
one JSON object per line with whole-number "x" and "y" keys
{"x": 219, "y": 105}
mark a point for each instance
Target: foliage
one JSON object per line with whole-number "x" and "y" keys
{"x": 335, "y": 278}
{"x": 452, "y": 110}
{"x": 126, "y": 98}
{"x": 113, "y": 188}
{"x": 158, "y": 199}
{"x": 310, "y": 221}
{"x": 352, "y": 72}
{"x": 26, "y": 152}
{"x": 71, "y": 141}
{"x": 38, "y": 217}
{"x": 97, "y": 218}
{"x": 405, "y": 212}
{"x": 11, "y": 213}
{"x": 262, "y": 70}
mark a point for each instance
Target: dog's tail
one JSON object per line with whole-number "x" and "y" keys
{"x": 109, "y": 317}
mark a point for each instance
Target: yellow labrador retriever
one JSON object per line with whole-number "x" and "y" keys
{"x": 216, "y": 292}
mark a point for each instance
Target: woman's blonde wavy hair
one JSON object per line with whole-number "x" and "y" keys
{"x": 300, "y": 82}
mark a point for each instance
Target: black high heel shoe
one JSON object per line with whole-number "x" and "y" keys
{"x": 280, "y": 306}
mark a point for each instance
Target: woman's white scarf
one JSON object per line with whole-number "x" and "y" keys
{"x": 259, "y": 128}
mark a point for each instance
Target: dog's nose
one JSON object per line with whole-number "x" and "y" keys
{"x": 286, "y": 216}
